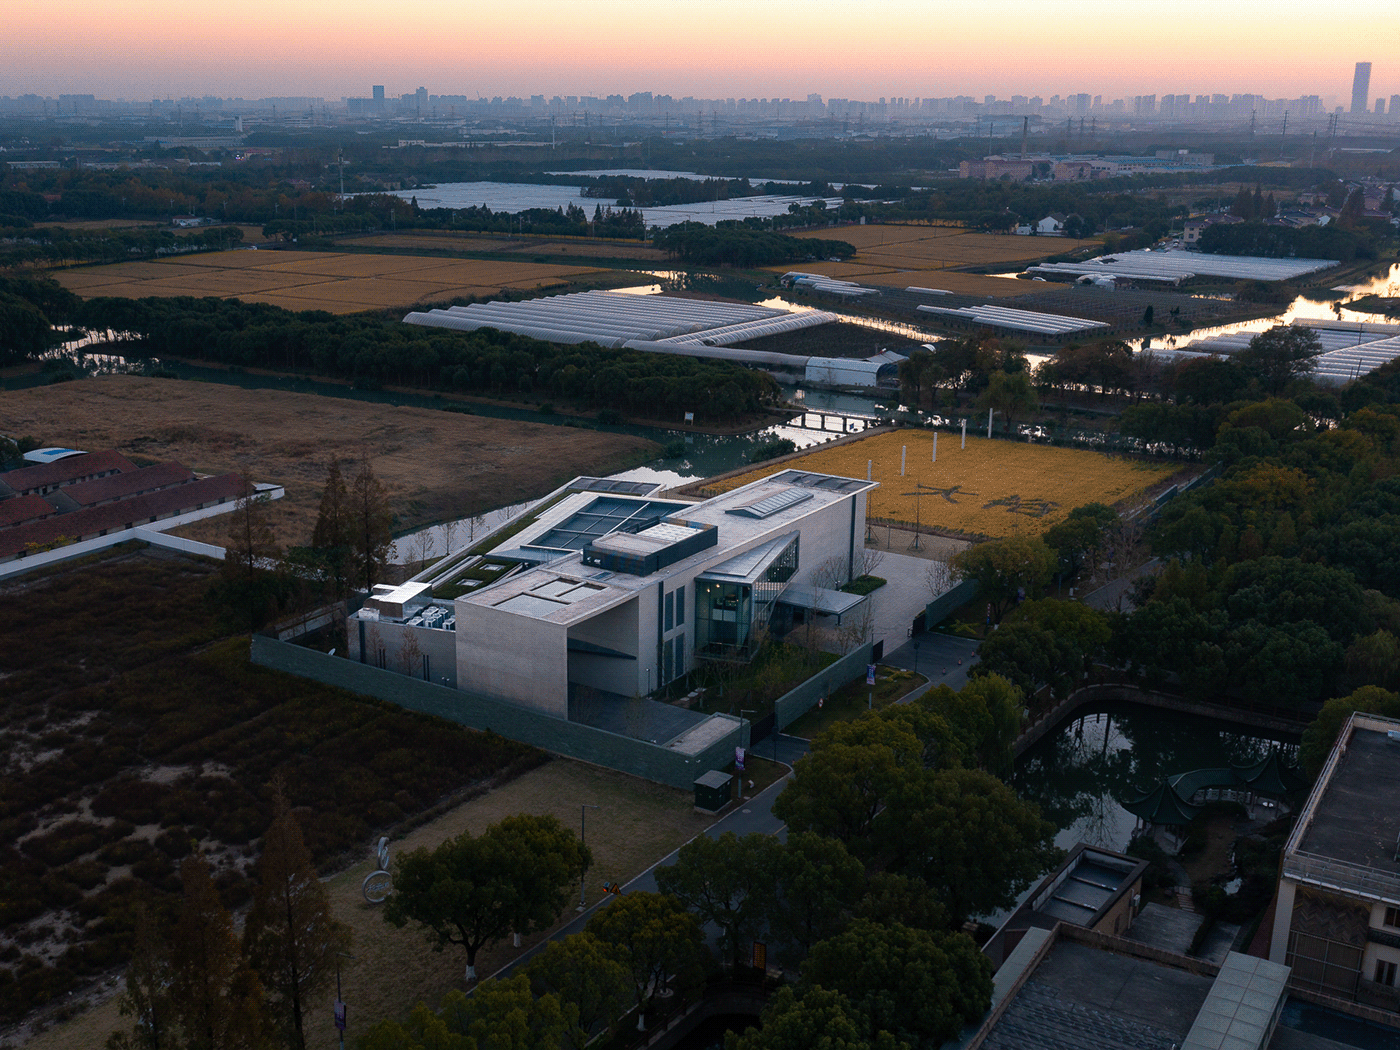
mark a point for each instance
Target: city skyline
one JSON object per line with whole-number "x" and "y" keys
{"x": 724, "y": 48}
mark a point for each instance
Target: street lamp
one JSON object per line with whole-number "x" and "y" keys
{"x": 748, "y": 746}
{"x": 339, "y": 1002}
{"x": 583, "y": 809}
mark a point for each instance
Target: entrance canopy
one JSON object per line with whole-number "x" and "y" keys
{"x": 820, "y": 600}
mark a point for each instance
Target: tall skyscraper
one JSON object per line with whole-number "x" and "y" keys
{"x": 378, "y": 89}
{"x": 1361, "y": 87}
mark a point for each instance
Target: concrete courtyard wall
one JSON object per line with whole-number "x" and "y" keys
{"x": 571, "y": 739}
{"x": 795, "y": 703}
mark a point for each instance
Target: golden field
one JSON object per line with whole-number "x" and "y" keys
{"x": 992, "y": 488}
{"x": 497, "y": 243}
{"x": 337, "y": 282}
{"x": 922, "y": 256}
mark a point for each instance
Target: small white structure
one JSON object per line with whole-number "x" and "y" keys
{"x": 1053, "y": 224}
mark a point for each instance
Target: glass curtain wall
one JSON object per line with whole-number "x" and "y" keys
{"x": 730, "y": 615}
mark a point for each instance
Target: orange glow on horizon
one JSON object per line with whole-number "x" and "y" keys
{"x": 716, "y": 48}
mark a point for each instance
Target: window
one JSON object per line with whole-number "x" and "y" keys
{"x": 1392, "y": 917}
{"x": 426, "y": 668}
{"x": 680, "y": 654}
{"x": 1385, "y": 973}
{"x": 381, "y": 662}
{"x": 670, "y": 611}
{"x": 680, "y": 605}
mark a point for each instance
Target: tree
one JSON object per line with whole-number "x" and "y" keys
{"x": 470, "y": 891}
{"x": 839, "y": 789}
{"x": 966, "y": 834}
{"x": 821, "y": 1019}
{"x": 655, "y": 938}
{"x": 505, "y": 1015}
{"x": 370, "y": 525}
{"x": 1005, "y": 568}
{"x": 332, "y": 537}
{"x": 1046, "y": 642}
{"x": 919, "y": 986}
{"x": 1322, "y": 732}
{"x": 818, "y": 883}
{"x": 728, "y": 881}
{"x": 1080, "y": 532}
{"x": 146, "y": 999}
{"x": 1147, "y": 316}
{"x": 984, "y": 718}
{"x": 246, "y": 572}
{"x": 216, "y": 996}
{"x": 1011, "y": 394}
{"x": 1280, "y": 356}
{"x": 291, "y": 937}
{"x": 24, "y": 330}
{"x": 592, "y": 984}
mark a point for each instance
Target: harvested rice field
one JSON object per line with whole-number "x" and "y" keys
{"x": 989, "y": 489}
{"x": 336, "y": 282}
{"x": 901, "y": 256}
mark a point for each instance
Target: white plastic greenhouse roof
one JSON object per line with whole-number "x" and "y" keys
{"x": 1178, "y": 265}
{"x": 611, "y": 319}
{"x": 1021, "y": 320}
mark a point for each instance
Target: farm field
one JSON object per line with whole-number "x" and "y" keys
{"x": 138, "y": 730}
{"x": 336, "y": 282}
{"x": 435, "y": 465}
{"x": 991, "y": 489}
{"x": 900, "y": 256}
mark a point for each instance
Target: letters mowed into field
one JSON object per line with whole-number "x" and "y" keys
{"x": 991, "y": 488}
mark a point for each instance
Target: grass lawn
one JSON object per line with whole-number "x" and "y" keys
{"x": 638, "y": 824}
{"x": 758, "y": 771}
{"x": 855, "y": 699}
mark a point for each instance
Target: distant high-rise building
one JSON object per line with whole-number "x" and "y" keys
{"x": 1395, "y": 107}
{"x": 1361, "y": 87}
{"x": 1380, "y": 107}
{"x": 378, "y": 92}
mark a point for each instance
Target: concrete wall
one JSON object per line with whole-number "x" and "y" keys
{"x": 440, "y": 647}
{"x": 526, "y": 659}
{"x": 949, "y": 602}
{"x": 638, "y": 757}
{"x": 614, "y": 629}
{"x": 795, "y": 703}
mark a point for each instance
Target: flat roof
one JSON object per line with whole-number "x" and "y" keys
{"x": 1174, "y": 265}
{"x": 1082, "y": 997}
{"x": 600, "y": 516}
{"x": 1351, "y": 816}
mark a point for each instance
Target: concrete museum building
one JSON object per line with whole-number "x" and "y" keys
{"x": 613, "y": 591}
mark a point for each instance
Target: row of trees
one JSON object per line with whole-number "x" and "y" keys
{"x": 742, "y": 243}
{"x": 59, "y": 245}
{"x": 349, "y": 550}
{"x": 193, "y": 984}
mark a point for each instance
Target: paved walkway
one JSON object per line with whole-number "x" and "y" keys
{"x": 901, "y": 599}
{"x": 943, "y": 658}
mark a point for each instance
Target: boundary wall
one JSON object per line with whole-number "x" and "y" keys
{"x": 795, "y": 703}
{"x": 640, "y": 758}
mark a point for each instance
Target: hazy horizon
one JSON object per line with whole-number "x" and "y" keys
{"x": 144, "y": 49}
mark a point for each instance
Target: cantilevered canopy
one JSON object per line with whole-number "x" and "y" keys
{"x": 820, "y": 600}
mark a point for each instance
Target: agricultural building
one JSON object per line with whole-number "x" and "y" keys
{"x": 1173, "y": 267}
{"x": 1350, "y": 349}
{"x": 663, "y": 325}
{"x": 1017, "y": 320}
{"x": 613, "y": 594}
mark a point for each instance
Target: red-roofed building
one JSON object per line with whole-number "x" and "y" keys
{"x": 109, "y": 518}
{"x": 120, "y": 486}
{"x": 44, "y": 478}
{"x": 23, "y": 509}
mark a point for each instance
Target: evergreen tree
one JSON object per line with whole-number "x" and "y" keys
{"x": 291, "y": 937}
{"x": 370, "y": 522}
{"x": 216, "y": 997}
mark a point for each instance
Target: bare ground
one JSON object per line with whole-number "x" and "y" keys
{"x": 638, "y": 824}
{"x": 435, "y": 465}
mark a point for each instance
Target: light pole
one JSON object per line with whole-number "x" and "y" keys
{"x": 748, "y": 747}
{"x": 339, "y": 1002}
{"x": 583, "y": 809}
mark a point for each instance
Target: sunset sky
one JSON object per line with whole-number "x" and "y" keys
{"x": 142, "y": 49}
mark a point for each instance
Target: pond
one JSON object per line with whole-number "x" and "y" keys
{"x": 1106, "y": 752}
